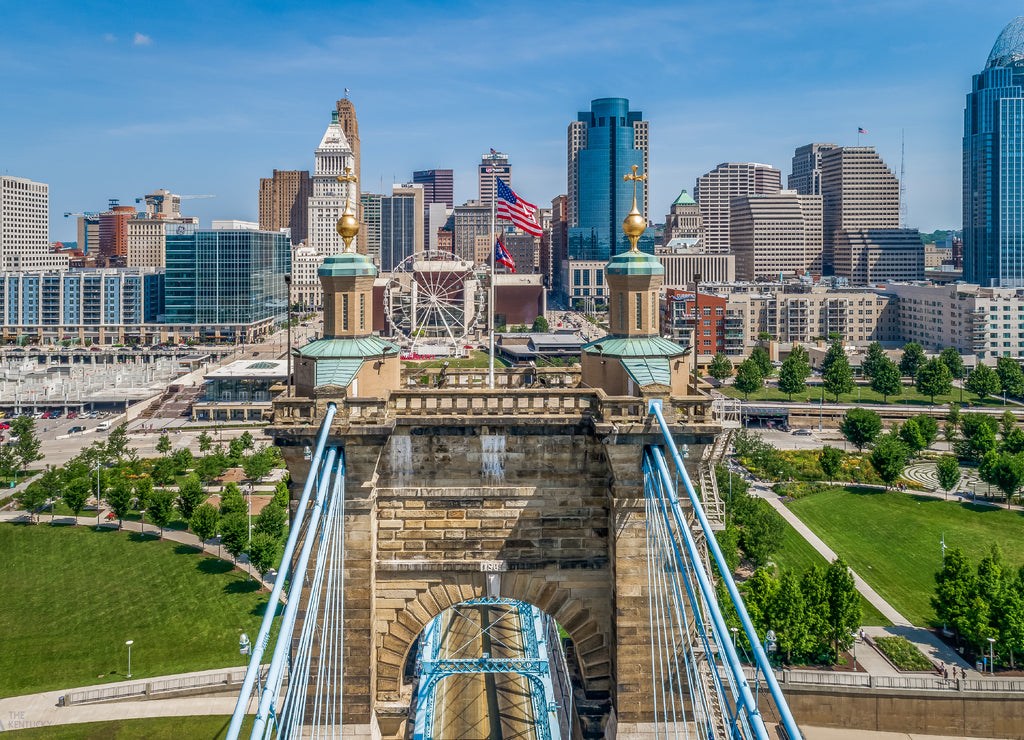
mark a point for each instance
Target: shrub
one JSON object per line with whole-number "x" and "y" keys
{"x": 903, "y": 654}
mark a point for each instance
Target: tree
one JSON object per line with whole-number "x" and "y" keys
{"x": 26, "y": 451}
{"x": 281, "y": 494}
{"x": 720, "y": 367}
{"x": 839, "y": 376}
{"x": 815, "y": 594}
{"x": 955, "y": 586}
{"x": 947, "y": 470}
{"x": 913, "y": 359}
{"x": 119, "y": 499}
{"x": 762, "y": 534}
{"x": 1007, "y": 423}
{"x": 76, "y": 493}
{"x": 934, "y": 379}
{"x": 205, "y": 442}
{"x": 787, "y": 615}
{"x": 978, "y": 438}
{"x": 163, "y": 471}
{"x": 1009, "y": 619}
{"x": 190, "y": 496}
{"x": 759, "y": 355}
{"x": 952, "y": 359}
{"x": 234, "y": 533}
{"x": 117, "y": 444}
{"x": 246, "y": 439}
{"x": 990, "y": 575}
{"x": 163, "y": 444}
{"x": 211, "y": 466}
{"x": 831, "y": 461}
{"x": 873, "y": 360}
{"x": 1007, "y": 474}
{"x": 231, "y": 500}
{"x": 888, "y": 458}
{"x": 910, "y": 434}
{"x": 32, "y": 497}
{"x": 748, "y": 378}
{"x": 182, "y": 460}
{"x": 929, "y": 429}
{"x": 235, "y": 451}
{"x": 256, "y": 465}
{"x": 887, "y": 379}
{"x": 844, "y": 606}
{"x": 204, "y": 522}
{"x": 1010, "y": 376}
{"x": 983, "y": 381}
{"x": 1014, "y": 441}
{"x": 540, "y": 324}
{"x": 861, "y": 427}
{"x": 263, "y": 552}
{"x": 161, "y": 509}
{"x": 271, "y": 520}
{"x": 8, "y": 463}
{"x": 761, "y": 589}
{"x": 835, "y": 351}
{"x": 795, "y": 371}
{"x": 143, "y": 492}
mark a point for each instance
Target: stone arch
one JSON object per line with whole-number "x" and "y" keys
{"x": 583, "y": 608}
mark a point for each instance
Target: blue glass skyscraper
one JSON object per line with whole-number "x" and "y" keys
{"x": 604, "y": 144}
{"x": 994, "y": 166}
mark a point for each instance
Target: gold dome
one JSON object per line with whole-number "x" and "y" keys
{"x": 347, "y": 226}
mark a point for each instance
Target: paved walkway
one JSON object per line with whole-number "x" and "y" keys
{"x": 830, "y": 733}
{"x": 211, "y": 547}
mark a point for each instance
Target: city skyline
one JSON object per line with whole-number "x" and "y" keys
{"x": 230, "y": 108}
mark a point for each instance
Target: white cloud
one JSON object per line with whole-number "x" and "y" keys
{"x": 142, "y": 39}
{"x": 109, "y": 38}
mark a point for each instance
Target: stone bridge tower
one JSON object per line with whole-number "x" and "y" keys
{"x": 530, "y": 490}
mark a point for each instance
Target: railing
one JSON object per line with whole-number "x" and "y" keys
{"x": 162, "y": 686}
{"x": 922, "y": 682}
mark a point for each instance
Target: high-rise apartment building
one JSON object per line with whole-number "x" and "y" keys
{"x": 805, "y": 178}
{"x": 683, "y": 220}
{"x": 858, "y": 192}
{"x": 993, "y": 169}
{"x": 604, "y": 144}
{"x": 284, "y": 203}
{"x": 716, "y": 189}
{"x": 491, "y": 167}
{"x": 776, "y": 234}
{"x": 25, "y": 225}
{"x": 114, "y": 234}
{"x": 401, "y": 225}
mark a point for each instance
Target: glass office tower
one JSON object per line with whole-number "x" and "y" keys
{"x": 604, "y": 144}
{"x": 994, "y": 166}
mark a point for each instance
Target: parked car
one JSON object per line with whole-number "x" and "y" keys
{"x": 803, "y": 432}
{"x": 76, "y": 429}
{"x": 5, "y": 425}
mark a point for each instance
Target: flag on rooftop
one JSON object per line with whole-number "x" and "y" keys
{"x": 511, "y": 207}
{"x": 502, "y": 257}
{"x": 861, "y": 130}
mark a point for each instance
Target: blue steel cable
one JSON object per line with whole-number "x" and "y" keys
{"x": 656, "y": 665}
{"x": 792, "y": 730}
{"x": 260, "y": 643}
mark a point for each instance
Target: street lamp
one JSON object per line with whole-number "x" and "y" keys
{"x": 243, "y": 644}
{"x": 991, "y": 656}
{"x": 288, "y": 285}
{"x": 129, "y": 643}
{"x": 97, "y": 494}
{"x": 734, "y": 630}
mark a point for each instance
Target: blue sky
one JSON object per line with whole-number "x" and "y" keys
{"x": 108, "y": 100}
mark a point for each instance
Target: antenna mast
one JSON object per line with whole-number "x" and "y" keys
{"x": 903, "y": 186}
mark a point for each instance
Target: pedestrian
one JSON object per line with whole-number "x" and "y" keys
{"x": 945, "y": 674}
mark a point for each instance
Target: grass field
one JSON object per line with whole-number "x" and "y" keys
{"x": 893, "y": 540}
{"x": 211, "y": 727}
{"x": 72, "y": 596}
{"x": 798, "y": 555}
{"x": 476, "y": 359}
{"x": 910, "y": 396}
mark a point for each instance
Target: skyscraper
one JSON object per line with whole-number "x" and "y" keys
{"x": 25, "y": 225}
{"x": 491, "y": 167}
{"x": 438, "y": 186}
{"x": 805, "y": 178}
{"x": 284, "y": 203}
{"x": 714, "y": 193}
{"x": 401, "y": 225}
{"x": 857, "y": 192}
{"x": 993, "y": 178}
{"x": 777, "y": 233}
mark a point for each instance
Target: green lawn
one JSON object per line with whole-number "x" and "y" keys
{"x": 476, "y": 359}
{"x": 893, "y": 539}
{"x": 73, "y": 595}
{"x": 211, "y": 727}
{"x": 910, "y": 396}
{"x": 798, "y": 555}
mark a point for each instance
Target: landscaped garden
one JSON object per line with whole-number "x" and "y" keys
{"x": 74, "y": 595}
{"x": 862, "y": 394}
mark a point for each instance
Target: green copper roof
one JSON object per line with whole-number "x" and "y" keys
{"x": 648, "y": 370}
{"x": 633, "y": 347}
{"x": 684, "y": 199}
{"x": 337, "y": 372}
{"x": 363, "y": 347}
{"x": 634, "y": 263}
{"x": 347, "y": 264}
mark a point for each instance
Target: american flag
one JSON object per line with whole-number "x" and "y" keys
{"x": 511, "y": 207}
{"x": 861, "y": 130}
{"x": 502, "y": 257}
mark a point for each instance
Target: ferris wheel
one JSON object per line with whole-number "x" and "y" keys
{"x": 434, "y": 301}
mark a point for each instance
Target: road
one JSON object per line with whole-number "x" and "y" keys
{"x": 483, "y": 706}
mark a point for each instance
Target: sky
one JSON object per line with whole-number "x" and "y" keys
{"x": 108, "y": 100}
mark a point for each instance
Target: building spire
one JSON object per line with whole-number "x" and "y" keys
{"x": 634, "y": 225}
{"x": 348, "y": 224}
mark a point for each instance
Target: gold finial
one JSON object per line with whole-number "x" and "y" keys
{"x": 348, "y": 225}
{"x": 634, "y": 225}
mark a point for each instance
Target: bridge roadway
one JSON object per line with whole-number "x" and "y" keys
{"x": 483, "y": 706}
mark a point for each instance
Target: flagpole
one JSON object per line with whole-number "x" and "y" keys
{"x": 490, "y": 298}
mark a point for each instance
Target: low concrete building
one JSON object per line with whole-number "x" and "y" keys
{"x": 240, "y": 391}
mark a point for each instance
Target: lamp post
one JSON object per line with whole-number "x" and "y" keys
{"x": 991, "y": 656}
{"x": 129, "y": 643}
{"x": 97, "y": 494}
{"x": 821, "y": 407}
{"x": 734, "y": 630}
{"x": 288, "y": 286}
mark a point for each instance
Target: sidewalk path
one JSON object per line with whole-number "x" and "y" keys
{"x": 211, "y": 547}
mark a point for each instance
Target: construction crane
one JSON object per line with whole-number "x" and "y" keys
{"x": 182, "y": 197}
{"x": 68, "y": 214}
